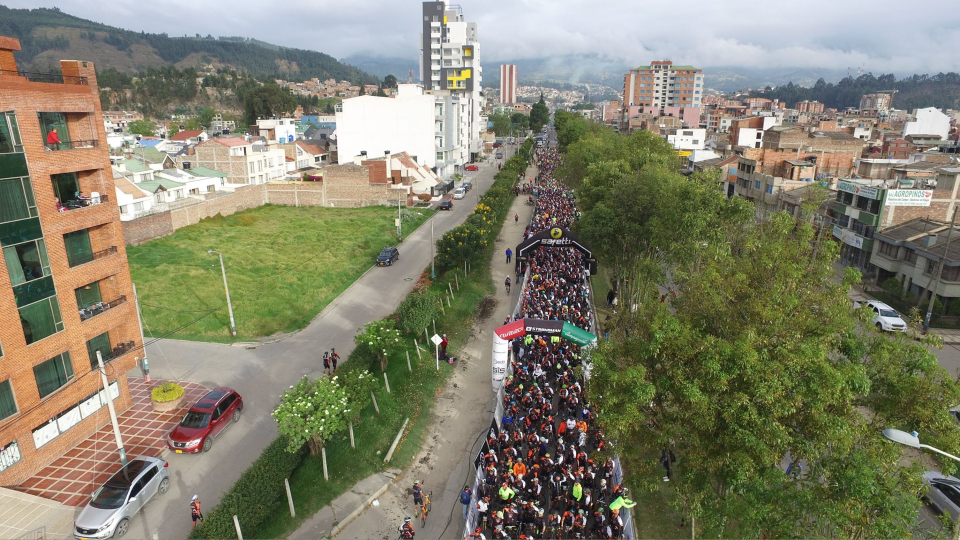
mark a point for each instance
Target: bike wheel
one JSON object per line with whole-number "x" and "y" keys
{"x": 423, "y": 515}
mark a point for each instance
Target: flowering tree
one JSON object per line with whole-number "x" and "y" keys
{"x": 357, "y": 386}
{"x": 312, "y": 412}
{"x": 382, "y": 337}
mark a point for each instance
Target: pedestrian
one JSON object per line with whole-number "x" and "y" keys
{"x": 195, "y": 512}
{"x": 516, "y": 219}
{"x": 509, "y": 254}
{"x": 465, "y": 498}
{"x": 334, "y": 358}
{"x": 610, "y": 296}
{"x": 667, "y": 459}
{"x": 326, "y": 362}
{"x": 443, "y": 347}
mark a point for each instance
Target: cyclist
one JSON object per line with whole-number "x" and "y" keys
{"x": 506, "y": 283}
{"x": 334, "y": 358}
{"x": 326, "y": 362}
{"x": 406, "y": 530}
{"x": 418, "y": 494}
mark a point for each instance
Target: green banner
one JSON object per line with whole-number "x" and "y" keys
{"x": 577, "y": 335}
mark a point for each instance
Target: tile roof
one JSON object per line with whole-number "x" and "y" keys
{"x": 150, "y": 154}
{"x": 231, "y": 141}
{"x": 312, "y": 149}
{"x": 127, "y": 187}
{"x": 913, "y": 229}
{"x": 184, "y": 135}
{"x": 153, "y": 186}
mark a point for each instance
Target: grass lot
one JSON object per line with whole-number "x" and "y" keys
{"x": 413, "y": 396}
{"x": 284, "y": 265}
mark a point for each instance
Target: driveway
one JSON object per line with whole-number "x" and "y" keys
{"x": 261, "y": 374}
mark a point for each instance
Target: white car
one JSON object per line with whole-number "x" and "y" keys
{"x": 459, "y": 193}
{"x": 943, "y": 493}
{"x": 885, "y": 318}
{"x": 108, "y": 515}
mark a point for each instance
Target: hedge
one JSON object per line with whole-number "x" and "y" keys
{"x": 257, "y": 494}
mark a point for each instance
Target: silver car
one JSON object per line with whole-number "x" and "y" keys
{"x": 944, "y": 493}
{"x": 108, "y": 514}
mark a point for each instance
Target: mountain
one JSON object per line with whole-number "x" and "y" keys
{"x": 381, "y": 66}
{"x": 47, "y": 34}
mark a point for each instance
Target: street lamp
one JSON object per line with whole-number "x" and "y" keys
{"x": 913, "y": 441}
{"x": 223, "y": 270}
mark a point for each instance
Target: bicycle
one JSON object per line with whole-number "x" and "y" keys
{"x": 425, "y": 508}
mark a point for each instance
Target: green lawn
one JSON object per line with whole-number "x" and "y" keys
{"x": 284, "y": 265}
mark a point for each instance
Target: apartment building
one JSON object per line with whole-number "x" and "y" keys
{"x": 811, "y": 107}
{"x": 450, "y": 70}
{"x": 243, "y": 161}
{"x": 665, "y": 89}
{"x": 876, "y": 101}
{"x": 65, "y": 289}
{"x": 508, "y": 84}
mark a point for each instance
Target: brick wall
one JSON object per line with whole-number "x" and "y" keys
{"x": 146, "y": 228}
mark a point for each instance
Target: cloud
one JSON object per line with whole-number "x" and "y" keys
{"x": 882, "y": 35}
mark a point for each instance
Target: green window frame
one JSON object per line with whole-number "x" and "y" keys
{"x": 41, "y": 319}
{"x": 79, "y": 249}
{"x": 8, "y": 402}
{"x": 65, "y": 186}
{"x": 88, "y": 295}
{"x": 17, "y": 200}
{"x": 100, "y": 343}
{"x": 26, "y": 261}
{"x": 51, "y": 120}
{"x": 10, "y": 141}
{"x": 53, "y": 374}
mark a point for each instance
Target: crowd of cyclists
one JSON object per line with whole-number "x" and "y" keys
{"x": 539, "y": 478}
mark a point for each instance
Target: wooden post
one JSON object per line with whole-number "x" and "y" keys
{"x": 352, "y": 445}
{"x": 419, "y": 356}
{"x": 456, "y": 276}
{"x": 396, "y": 441}
{"x": 236, "y": 525}
{"x": 448, "y": 301}
{"x": 375, "y": 406}
{"x": 450, "y": 286}
{"x": 323, "y": 455}
{"x": 426, "y": 333}
{"x": 435, "y": 321}
{"x": 386, "y": 381}
{"x": 410, "y": 369}
{"x": 465, "y": 272}
{"x": 293, "y": 511}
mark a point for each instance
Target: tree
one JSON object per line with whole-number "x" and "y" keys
{"x": 357, "y": 385}
{"x": 146, "y": 128}
{"x": 363, "y": 90}
{"x": 520, "y": 121}
{"x": 539, "y": 115}
{"x": 382, "y": 339}
{"x": 265, "y": 101}
{"x": 380, "y": 92}
{"x": 389, "y": 81}
{"x": 312, "y": 412}
{"x": 501, "y": 124}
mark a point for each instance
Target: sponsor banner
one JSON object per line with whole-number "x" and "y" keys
{"x": 542, "y": 327}
{"x": 909, "y": 197}
{"x": 857, "y": 189}
{"x": 576, "y": 334}
{"x": 510, "y": 331}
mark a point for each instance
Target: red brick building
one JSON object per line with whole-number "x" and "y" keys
{"x": 65, "y": 289}
{"x": 898, "y": 149}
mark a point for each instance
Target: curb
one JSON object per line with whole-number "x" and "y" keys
{"x": 356, "y": 511}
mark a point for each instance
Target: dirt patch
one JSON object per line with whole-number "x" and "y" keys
{"x": 486, "y": 307}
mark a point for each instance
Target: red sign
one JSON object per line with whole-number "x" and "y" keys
{"x": 510, "y": 331}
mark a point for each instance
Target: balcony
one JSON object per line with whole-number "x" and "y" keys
{"x": 55, "y": 78}
{"x": 97, "y": 308}
{"x": 71, "y": 145}
{"x": 75, "y": 191}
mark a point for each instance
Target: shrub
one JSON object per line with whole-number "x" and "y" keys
{"x": 425, "y": 197}
{"x": 417, "y": 310}
{"x": 166, "y": 392}
{"x": 893, "y": 286}
{"x": 255, "y": 496}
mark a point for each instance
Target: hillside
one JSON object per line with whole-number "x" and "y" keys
{"x": 48, "y": 35}
{"x": 941, "y": 90}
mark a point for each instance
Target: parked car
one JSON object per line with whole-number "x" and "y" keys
{"x": 467, "y": 186}
{"x": 497, "y": 144}
{"x": 499, "y": 155}
{"x": 387, "y": 256}
{"x": 108, "y": 514}
{"x": 445, "y": 205}
{"x": 943, "y": 493}
{"x": 459, "y": 193}
{"x": 205, "y": 421}
{"x": 472, "y": 167}
{"x": 885, "y": 318}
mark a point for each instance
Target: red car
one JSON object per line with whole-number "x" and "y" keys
{"x": 205, "y": 421}
{"x": 472, "y": 167}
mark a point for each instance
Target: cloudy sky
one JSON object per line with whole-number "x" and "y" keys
{"x": 881, "y": 35}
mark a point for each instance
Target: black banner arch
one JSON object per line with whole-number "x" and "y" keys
{"x": 554, "y": 237}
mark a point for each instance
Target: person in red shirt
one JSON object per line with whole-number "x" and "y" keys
{"x": 52, "y": 139}
{"x": 443, "y": 347}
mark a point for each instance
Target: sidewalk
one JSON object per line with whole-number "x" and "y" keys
{"x": 330, "y": 520}
{"x": 460, "y": 418}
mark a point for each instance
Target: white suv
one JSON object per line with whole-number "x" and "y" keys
{"x": 885, "y": 318}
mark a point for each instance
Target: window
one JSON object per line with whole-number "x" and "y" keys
{"x": 756, "y": 184}
{"x": 8, "y": 404}
{"x": 125, "y": 209}
{"x": 27, "y": 261}
{"x": 138, "y": 207}
{"x": 158, "y": 196}
{"x": 178, "y": 194}
{"x": 910, "y": 257}
{"x": 41, "y": 319}
{"x": 58, "y": 121}
{"x": 439, "y": 156}
{"x": 53, "y": 374}
{"x": 889, "y": 249}
{"x": 950, "y": 273}
{"x": 79, "y": 250}
{"x": 769, "y": 188}
{"x": 195, "y": 191}
{"x": 16, "y": 200}
{"x": 9, "y": 134}
{"x": 88, "y": 295}
{"x": 65, "y": 187}
{"x": 99, "y": 344}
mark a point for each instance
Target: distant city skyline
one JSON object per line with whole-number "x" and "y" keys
{"x": 879, "y": 36}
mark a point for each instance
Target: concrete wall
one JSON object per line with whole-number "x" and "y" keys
{"x": 376, "y": 124}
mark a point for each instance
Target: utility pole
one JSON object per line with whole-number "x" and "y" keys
{"x": 113, "y": 412}
{"x": 936, "y": 284}
{"x": 433, "y": 243}
{"x": 223, "y": 270}
{"x": 143, "y": 361}
{"x": 399, "y": 222}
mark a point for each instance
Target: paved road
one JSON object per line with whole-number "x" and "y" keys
{"x": 260, "y": 375}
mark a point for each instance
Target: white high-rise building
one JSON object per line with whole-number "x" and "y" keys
{"x": 508, "y": 84}
{"x": 450, "y": 70}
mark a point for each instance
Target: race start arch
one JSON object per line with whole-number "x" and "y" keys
{"x": 537, "y": 327}
{"x": 554, "y": 237}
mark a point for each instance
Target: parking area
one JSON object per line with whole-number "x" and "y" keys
{"x": 73, "y": 477}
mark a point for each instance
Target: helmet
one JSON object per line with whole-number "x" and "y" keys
{"x": 407, "y": 519}
{"x": 195, "y": 498}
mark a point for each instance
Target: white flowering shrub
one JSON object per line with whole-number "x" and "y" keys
{"x": 311, "y": 412}
{"x": 382, "y": 338}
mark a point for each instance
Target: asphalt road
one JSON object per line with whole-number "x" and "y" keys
{"x": 260, "y": 375}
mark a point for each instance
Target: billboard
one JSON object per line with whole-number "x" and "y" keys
{"x": 909, "y": 197}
